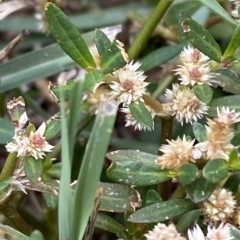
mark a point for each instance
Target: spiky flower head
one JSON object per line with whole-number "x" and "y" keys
{"x": 196, "y": 233}
{"x": 176, "y": 153}
{"x": 219, "y": 206}
{"x": 163, "y": 232}
{"x": 131, "y": 121}
{"x": 128, "y": 85}
{"x": 227, "y": 116}
{"x": 185, "y": 105}
{"x": 195, "y": 74}
{"x": 193, "y": 55}
{"x": 222, "y": 232}
{"x": 34, "y": 145}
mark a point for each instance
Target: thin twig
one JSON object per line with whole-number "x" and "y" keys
{"x": 19, "y": 38}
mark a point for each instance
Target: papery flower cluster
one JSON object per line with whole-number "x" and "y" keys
{"x": 195, "y": 70}
{"x": 236, "y": 5}
{"x": 163, "y": 232}
{"x": 32, "y": 143}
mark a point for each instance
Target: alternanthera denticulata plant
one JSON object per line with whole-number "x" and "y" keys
{"x": 185, "y": 187}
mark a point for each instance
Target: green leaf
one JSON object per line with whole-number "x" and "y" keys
{"x": 134, "y": 155}
{"x": 187, "y": 220}
{"x": 11, "y": 233}
{"x": 234, "y": 43}
{"x": 228, "y": 81}
{"x": 216, "y": 170}
{"x": 162, "y": 211}
{"x": 93, "y": 79}
{"x": 50, "y": 200}
{"x": 53, "y": 127}
{"x": 187, "y": 173}
{"x": 233, "y": 182}
{"x": 119, "y": 198}
{"x": 159, "y": 57}
{"x": 89, "y": 176}
{"x": 141, "y": 114}
{"x": 68, "y": 37}
{"x": 203, "y": 92}
{"x": 109, "y": 224}
{"x": 111, "y": 56}
{"x": 33, "y": 168}
{"x": 199, "y": 132}
{"x": 201, "y": 39}
{"x": 6, "y": 131}
{"x": 67, "y": 88}
{"x": 229, "y": 101}
{"x": 35, "y": 65}
{"x": 137, "y": 173}
{"x": 236, "y": 139}
{"x": 153, "y": 197}
{"x": 234, "y": 232}
{"x": 55, "y": 170}
{"x": 36, "y": 235}
{"x": 174, "y": 12}
{"x": 5, "y": 183}
{"x": 233, "y": 156}
{"x": 200, "y": 190}
{"x": 217, "y": 8}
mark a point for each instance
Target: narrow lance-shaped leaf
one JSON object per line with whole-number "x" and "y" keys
{"x": 201, "y": 39}
{"x": 89, "y": 176}
{"x": 68, "y": 36}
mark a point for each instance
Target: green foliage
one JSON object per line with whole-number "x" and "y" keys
{"x": 199, "y": 132}
{"x": 204, "y": 92}
{"x": 6, "y": 131}
{"x": 187, "y": 173}
{"x": 33, "y": 168}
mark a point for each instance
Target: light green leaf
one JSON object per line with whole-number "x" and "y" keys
{"x": 36, "y": 235}
{"x": 89, "y": 176}
{"x": 217, "y": 8}
{"x": 203, "y": 92}
{"x": 68, "y": 37}
{"x": 93, "y": 79}
{"x": 201, "y": 39}
{"x": 153, "y": 197}
{"x": 141, "y": 114}
{"x": 199, "y": 131}
{"x": 33, "y": 168}
{"x": 134, "y": 173}
{"x": 216, "y": 170}
{"x": 187, "y": 173}
{"x": 5, "y": 183}
{"x": 55, "y": 170}
{"x": 235, "y": 232}
{"x": 119, "y": 198}
{"x": 12, "y": 233}
{"x": 162, "y": 211}
{"x": 53, "y": 127}
{"x": 6, "y": 131}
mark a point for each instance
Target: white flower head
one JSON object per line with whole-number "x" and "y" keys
{"x": 185, "y": 105}
{"x": 193, "y": 74}
{"x": 236, "y": 4}
{"x": 176, "y": 153}
{"x": 222, "y": 232}
{"x": 193, "y": 55}
{"x": 33, "y": 145}
{"x": 196, "y": 233}
{"x": 163, "y": 232}
{"x": 227, "y": 116}
{"x": 129, "y": 85}
{"x": 131, "y": 121}
{"x": 219, "y": 206}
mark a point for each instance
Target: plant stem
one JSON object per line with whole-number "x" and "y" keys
{"x": 13, "y": 216}
{"x": 162, "y": 86}
{"x": 9, "y": 166}
{"x": 148, "y": 28}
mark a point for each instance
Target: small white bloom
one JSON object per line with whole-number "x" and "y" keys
{"x": 163, "y": 232}
{"x": 185, "y": 105}
{"x": 222, "y": 232}
{"x": 236, "y": 4}
{"x": 227, "y": 116}
{"x": 129, "y": 85}
{"x": 220, "y": 205}
{"x": 131, "y": 121}
{"x": 176, "y": 153}
{"x": 196, "y": 233}
{"x": 193, "y": 74}
{"x": 193, "y": 55}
